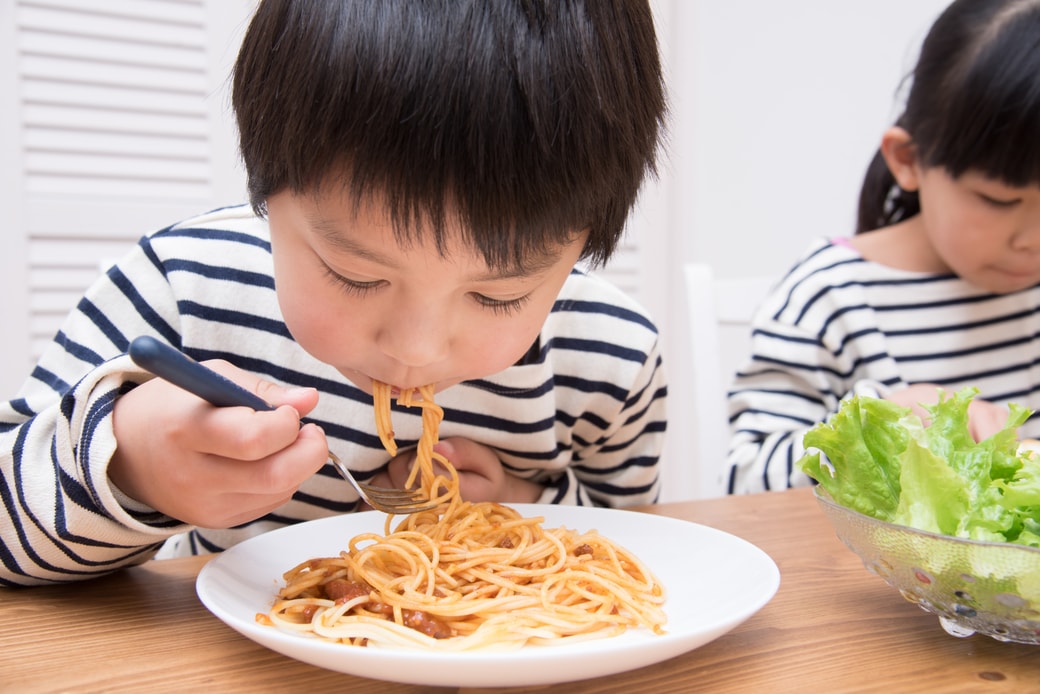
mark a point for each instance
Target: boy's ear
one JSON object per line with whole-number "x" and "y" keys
{"x": 897, "y": 147}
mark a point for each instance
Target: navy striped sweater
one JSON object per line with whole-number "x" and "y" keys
{"x": 583, "y": 414}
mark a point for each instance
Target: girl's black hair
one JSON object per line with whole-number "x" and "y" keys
{"x": 973, "y": 104}
{"x": 521, "y": 121}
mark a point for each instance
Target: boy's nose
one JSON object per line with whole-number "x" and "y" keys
{"x": 415, "y": 338}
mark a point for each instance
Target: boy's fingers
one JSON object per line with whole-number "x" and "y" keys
{"x": 238, "y": 433}
{"x": 278, "y": 474}
{"x": 302, "y": 400}
{"x": 313, "y": 435}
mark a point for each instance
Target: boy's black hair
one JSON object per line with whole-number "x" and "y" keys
{"x": 523, "y": 121}
{"x": 973, "y": 104}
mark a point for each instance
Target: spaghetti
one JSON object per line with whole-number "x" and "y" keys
{"x": 465, "y": 575}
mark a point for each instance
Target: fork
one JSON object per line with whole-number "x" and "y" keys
{"x": 181, "y": 370}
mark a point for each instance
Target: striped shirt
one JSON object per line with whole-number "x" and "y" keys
{"x": 838, "y": 325}
{"x": 582, "y": 413}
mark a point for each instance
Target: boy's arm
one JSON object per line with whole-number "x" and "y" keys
{"x": 63, "y": 520}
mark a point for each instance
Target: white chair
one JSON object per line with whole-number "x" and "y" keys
{"x": 720, "y": 313}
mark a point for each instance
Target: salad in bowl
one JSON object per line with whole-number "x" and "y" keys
{"x": 952, "y": 523}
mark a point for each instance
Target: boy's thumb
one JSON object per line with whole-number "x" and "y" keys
{"x": 302, "y": 400}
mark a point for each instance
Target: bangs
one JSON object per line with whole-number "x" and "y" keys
{"x": 990, "y": 122}
{"x": 522, "y": 124}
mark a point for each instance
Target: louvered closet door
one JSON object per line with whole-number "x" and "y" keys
{"x": 122, "y": 126}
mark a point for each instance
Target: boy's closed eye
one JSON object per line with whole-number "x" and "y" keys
{"x": 357, "y": 287}
{"x": 497, "y": 305}
{"x": 502, "y": 306}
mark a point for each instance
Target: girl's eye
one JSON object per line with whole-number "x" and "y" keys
{"x": 349, "y": 285}
{"x": 998, "y": 203}
{"x": 500, "y": 306}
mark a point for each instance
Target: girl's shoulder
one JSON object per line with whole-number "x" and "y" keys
{"x": 827, "y": 252}
{"x": 838, "y": 261}
{"x": 831, "y": 277}
{"x": 825, "y": 262}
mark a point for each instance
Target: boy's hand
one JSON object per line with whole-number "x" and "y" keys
{"x": 209, "y": 466}
{"x": 481, "y": 475}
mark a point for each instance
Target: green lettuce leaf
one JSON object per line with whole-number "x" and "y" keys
{"x": 880, "y": 459}
{"x": 863, "y": 443}
{"x": 934, "y": 497}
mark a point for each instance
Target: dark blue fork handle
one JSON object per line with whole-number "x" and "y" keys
{"x": 181, "y": 370}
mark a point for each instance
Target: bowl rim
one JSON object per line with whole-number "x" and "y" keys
{"x": 824, "y": 498}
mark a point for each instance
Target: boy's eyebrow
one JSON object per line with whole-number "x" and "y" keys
{"x": 336, "y": 238}
{"x": 534, "y": 263}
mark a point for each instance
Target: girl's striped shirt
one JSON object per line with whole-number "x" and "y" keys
{"x": 838, "y": 325}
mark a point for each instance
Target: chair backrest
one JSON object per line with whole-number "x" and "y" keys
{"x": 720, "y": 313}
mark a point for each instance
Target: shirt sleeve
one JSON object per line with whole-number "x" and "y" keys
{"x": 792, "y": 381}
{"x": 63, "y": 519}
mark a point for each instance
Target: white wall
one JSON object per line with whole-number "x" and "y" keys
{"x": 778, "y": 109}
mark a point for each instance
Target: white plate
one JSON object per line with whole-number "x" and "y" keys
{"x": 713, "y": 582}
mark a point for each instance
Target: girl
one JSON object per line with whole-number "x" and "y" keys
{"x": 938, "y": 288}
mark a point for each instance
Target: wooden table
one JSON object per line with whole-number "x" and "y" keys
{"x": 832, "y": 627}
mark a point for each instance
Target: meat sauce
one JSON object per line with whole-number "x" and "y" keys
{"x": 340, "y": 590}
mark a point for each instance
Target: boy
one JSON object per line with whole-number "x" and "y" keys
{"x": 424, "y": 176}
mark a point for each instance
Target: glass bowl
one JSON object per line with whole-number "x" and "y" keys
{"x": 990, "y": 588}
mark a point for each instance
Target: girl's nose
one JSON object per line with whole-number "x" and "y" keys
{"x": 1027, "y": 240}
